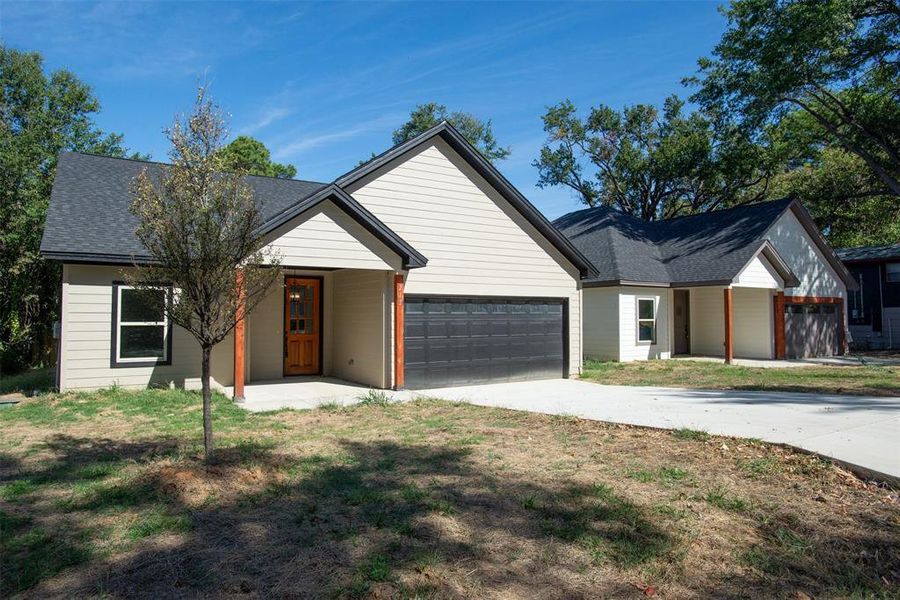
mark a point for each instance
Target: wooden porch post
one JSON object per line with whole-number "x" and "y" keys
{"x": 729, "y": 327}
{"x": 239, "y": 340}
{"x": 779, "y": 325}
{"x": 399, "y": 311}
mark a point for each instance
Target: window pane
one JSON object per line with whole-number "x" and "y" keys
{"x": 645, "y": 309}
{"x": 645, "y": 331}
{"x": 141, "y": 341}
{"x": 142, "y": 306}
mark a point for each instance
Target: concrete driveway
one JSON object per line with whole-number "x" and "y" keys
{"x": 859, "y": 430}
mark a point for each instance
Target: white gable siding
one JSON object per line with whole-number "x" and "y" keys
{"x": 752, "y": 323}
{"x": 87, "y": 337}
{"x": 629, "y": 347}
{"x": 601, "y": 323}
{"x": 327, "y": 237}
{"x": 475, "y": 242}
{"x": 804, "y": 258}
{"x": 759, "y": 273}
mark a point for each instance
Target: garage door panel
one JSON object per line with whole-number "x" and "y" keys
{"x": 812, "y": 330}
{"x": 474, "y": 340}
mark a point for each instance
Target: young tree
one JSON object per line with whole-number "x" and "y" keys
{"x": 200, "y": 225}
{"x": 250, "y": 155}
{"x": 479, "y": 133}
{"x": 647, "y": 164}
{"x": 41, "y": 115}
{"x": 836, "y": 60}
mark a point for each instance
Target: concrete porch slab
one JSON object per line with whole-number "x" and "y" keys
{"x": 298, "y": 393}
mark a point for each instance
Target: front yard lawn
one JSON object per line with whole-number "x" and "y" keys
{"x": 105, "y": 495}
{"x": 861, "y": 380}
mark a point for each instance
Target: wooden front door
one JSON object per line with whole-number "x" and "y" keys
{"x": 682, "y": 325}
{"x": 302, "y": 325}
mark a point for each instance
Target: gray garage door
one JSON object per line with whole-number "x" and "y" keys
{"x": 458, "y": 341}
{"x": 812, "y": 330}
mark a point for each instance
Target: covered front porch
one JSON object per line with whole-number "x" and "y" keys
{"x": 332, "y": 315}
{"x": 315, "y": 326}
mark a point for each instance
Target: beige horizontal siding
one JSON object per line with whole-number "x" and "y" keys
{"x": 475, "y": 242}
{"x": 327, "y": 238}
{"x": 629, "y": 347}
{"x": 753, "y": 323}
{"x": 601, "y": 323}
{"x": 87, "y": 338}
{"x": 360, "y": 305}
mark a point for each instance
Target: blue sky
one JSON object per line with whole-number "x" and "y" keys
{"x": 324, "y": 85}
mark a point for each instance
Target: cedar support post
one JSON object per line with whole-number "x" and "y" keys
{"x": 399, "y": 311}
{"x": 729, "y": 328}
{"x": 778, "y": 311}
{"x": 239, "y": 346}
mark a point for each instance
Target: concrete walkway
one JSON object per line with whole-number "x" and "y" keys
{"x": 859, "y": 430}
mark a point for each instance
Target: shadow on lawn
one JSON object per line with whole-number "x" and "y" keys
{"x": 343, "y": 525}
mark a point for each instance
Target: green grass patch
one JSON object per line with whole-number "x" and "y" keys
{"x": 156, "y": 522}
{"x": 690, "y": 434}
{"x": 719, "y": 497}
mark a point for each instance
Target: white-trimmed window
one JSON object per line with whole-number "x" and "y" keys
{"x": 140, "y": 335}
{"x": 892, "y": 272}
{"x": 646, "y": 320}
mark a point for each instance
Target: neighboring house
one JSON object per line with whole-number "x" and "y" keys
{"x": 757, "y": 281}
{"x": 422, "y": 267}
{"x": 874, "y": 308}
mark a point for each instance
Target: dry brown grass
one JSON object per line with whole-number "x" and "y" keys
{"x": 426, "y": 499}
{"x": 871, "y": 380}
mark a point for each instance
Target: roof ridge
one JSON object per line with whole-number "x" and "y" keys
{"x": 165, "y": 164}
{"x": 787, "y": 199}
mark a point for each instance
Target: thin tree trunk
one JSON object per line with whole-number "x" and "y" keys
{"x": 207, "y": 405}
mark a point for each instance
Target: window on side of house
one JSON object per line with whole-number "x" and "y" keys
{"x": 892, "y": 272}
{"x": 646, "y": 320}
{"x": 141, "y": 335}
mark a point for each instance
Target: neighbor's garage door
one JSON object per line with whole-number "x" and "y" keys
{"x": 812, "y": 330}
{"x": 456, "y": 341}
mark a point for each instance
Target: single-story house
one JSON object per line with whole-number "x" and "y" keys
{"x": 422, "y": 267}
{"x": 756, "y": 281}
{"x": 874, "y": 307}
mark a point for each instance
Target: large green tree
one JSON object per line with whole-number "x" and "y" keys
{"x": 838, "y": 61}
{"x": 649, "y": 163}
{"x": 41, "y": 115}
{"x": 479, "y": 133}
{"x": 249, "y": 155}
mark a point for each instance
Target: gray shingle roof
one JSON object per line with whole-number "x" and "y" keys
{"x": 869, "y": 253}
{"x": 88, "y": 213}
{"x": 706, "y": 248}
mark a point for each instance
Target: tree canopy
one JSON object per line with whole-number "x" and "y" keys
{"x": 249, "y": 155}
{"x": 648, "y": 163}
{"x": 42, "y": 115}
{"x": 838, "y": 61}
{"x": 479, "y": 133}
{"x": 199, "y": 222}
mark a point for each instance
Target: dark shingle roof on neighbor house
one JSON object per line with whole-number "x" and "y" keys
{"x": 869, "y": 253}
{"x": 89, "y": 219}
{"x": 709, "y": 248}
